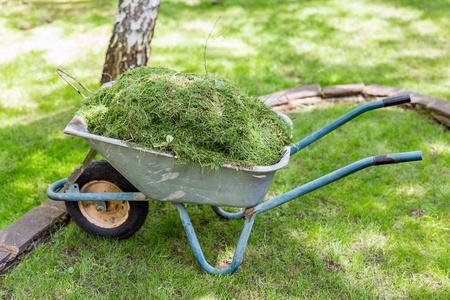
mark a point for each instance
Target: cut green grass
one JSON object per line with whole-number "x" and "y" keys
{"x": 204, "y": 119}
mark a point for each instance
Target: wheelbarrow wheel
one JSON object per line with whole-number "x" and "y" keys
{"x": 121, "y": 218}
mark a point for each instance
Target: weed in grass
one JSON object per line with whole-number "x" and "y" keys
{"x": 201, "y": 119}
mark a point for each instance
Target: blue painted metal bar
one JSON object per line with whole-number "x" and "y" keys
{"x": 228, "y": 215}
{"x": 52, "y": 194}
{"x": 336, "y": 175}
{"x": 238, "y": 254}
{"x": 346, "y": 118}
{"x": 334, "y": 125}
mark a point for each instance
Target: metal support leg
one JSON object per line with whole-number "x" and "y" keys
{"x": 238, "y": 254}
{"x": 227, "y": 215}
{"x": 74, "y": 176}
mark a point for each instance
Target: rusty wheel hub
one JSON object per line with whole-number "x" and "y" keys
{"x": 116, "y": 211}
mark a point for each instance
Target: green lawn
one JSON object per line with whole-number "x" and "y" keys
{"x": 381, "y": 233}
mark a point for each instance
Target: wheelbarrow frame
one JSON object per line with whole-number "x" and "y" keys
{"x": 69, "y": 191}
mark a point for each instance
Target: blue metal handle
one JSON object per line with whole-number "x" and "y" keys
{"x": 346, "y": 118}
{"x": 334, "y": 176}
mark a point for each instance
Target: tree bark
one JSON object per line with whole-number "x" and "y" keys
{"x": 129, "y": 46}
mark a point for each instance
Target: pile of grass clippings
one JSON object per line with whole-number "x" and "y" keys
{"x": 202, "y": 119}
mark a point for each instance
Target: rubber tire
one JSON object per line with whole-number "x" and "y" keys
{"x": 137, "y": 214}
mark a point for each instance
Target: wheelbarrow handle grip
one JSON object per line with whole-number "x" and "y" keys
{"x": 396, "y": 100}
{"x": 397, "y": 158}
{"x": 334, "y": 176}
{"x": 346, "y": 118}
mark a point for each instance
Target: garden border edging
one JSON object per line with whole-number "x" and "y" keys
{"x": 22, "y": 235}
{"x": 291, "y": 99}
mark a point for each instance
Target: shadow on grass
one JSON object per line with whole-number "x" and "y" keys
{"x": 289, "y": 43}
{"x": 430, "y": 9}
{"x": 34, "y": 152}
{"x": 35, "y": 155}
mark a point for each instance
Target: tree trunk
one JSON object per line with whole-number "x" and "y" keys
{"x": 129, "y": 46}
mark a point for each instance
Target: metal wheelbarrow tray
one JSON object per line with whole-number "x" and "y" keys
{"x": 158, "y": 176}
{"x": 106, "y": 208}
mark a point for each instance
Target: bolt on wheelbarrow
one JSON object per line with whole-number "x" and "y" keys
{"x": 109, "y": 198}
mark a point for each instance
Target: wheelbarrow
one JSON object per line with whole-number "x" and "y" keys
{"x": 109, "y": 198}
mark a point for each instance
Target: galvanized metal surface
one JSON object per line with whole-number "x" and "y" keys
{"x": 159, "y": 177}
